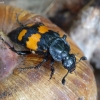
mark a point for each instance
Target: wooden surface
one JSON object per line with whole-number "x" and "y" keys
{"x": 35, "y": 84}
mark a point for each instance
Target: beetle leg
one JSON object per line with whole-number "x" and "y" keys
{"x": 17, "y": 15}
{"x": 39, "y": 65}
{"x": 20, "y": 52}
{"x": 52, "y": 68}
{"x": 64, "y": 37}
{"x": 5, "y": 41}
{"x": 44, "y": 60}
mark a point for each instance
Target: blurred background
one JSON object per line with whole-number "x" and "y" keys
{"x": 80, "y": 19}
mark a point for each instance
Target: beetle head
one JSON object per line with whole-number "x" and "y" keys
{"x": 69, "y": 62}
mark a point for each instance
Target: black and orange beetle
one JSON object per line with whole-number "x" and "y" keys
{"x": 41, "y": 40}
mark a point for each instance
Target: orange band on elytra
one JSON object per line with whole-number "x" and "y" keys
{"x": 43, "y": 29}
{"x": 32, "y": 42}
{"x": 21, "y": 34}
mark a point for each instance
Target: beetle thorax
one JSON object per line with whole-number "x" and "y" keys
{"x": 59, "y": 49}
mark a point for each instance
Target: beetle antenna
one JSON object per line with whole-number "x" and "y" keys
{"x": 82, "y": 58}
{"x": 63, "y": 80}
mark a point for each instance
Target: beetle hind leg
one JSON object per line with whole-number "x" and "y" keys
{"x": 20, "y": 52}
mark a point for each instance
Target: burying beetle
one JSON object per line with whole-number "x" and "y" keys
{"x": 38, "y": 38}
